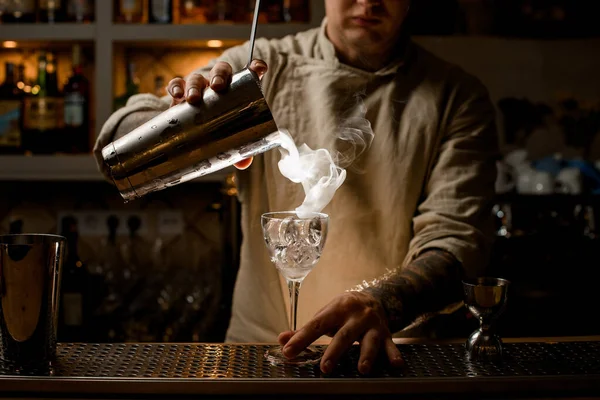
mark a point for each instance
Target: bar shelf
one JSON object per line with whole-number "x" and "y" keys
{"x": 48, "y": 32}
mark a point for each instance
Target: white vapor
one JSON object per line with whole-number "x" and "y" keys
{"x": 320, "y": 174}
{"x": 314, "y": 169}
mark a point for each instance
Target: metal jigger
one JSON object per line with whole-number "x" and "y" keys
{"x": 485, "y": 298}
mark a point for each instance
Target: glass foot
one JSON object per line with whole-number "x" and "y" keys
{"x": 309, "y": 356}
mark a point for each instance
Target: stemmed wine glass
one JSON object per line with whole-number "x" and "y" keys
{"x": 295, "y": 244}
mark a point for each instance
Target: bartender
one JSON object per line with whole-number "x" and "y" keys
{"x": 413, "y": 216}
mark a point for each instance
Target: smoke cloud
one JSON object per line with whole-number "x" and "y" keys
{"x": 320, "y": 173}
{"x": 354, "y": 135}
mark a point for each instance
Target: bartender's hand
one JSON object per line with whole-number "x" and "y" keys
{"x": 350, "y": 317}
{"x": 218, "y": 79}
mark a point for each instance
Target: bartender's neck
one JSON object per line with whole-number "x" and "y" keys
{"x": 361, "y": 58}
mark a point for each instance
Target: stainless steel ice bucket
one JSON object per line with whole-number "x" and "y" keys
{"x": 30, "y": 275}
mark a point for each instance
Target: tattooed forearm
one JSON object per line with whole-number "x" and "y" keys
{"x": 428, "y": 284}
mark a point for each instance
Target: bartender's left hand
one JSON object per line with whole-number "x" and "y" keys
{"x": 350, "y": 317}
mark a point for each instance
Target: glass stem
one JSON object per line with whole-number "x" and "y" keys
{"x": 486, "y": 327}
{"x": 294, "y": 291}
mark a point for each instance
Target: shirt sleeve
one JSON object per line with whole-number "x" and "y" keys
{"x": 455, "y": 212}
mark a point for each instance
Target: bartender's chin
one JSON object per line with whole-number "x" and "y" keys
{"x": 368, "y": 49}
{"x": 365, "y": 40}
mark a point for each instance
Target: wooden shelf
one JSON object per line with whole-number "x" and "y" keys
{"x": 65, "y": 168}
{"x": 137, "y": 33}
{"x": 47, "y": 32}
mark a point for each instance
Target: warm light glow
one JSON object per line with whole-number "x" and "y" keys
{"x": 21, "y": 85}
{"x": 27, "y": 89}
{"x": 34, "y": 90}
{"x": 9, "y": 44}
{"x": 214, "y": 43}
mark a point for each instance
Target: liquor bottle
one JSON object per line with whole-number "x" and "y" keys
{"x": 51, "y": 71}
{"x": 51, "y": 11}
{"x": 41, "y": 111}
{"x": 20, "y": 11}
{"x": 56, "y": 98}
{"x": 131, "y": 11}
{"x": 192, "y": 12}
{"x": 296, "y": 11}
{"x": 220, "y": 11}
{"x": 161, "y": 11}
{"x": 75, "y": 137}
{"x": 10, "y": 112}
{"x": 131, "y": 87}
{"x": 74, "y": 284}
{"x": 80, "y": 11}
{"x": 286, "y": 11}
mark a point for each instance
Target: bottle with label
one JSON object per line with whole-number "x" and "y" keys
{"x": 161, "y": 11}
{"x": 10, "y": 112}
{"x": 132, "y": 11}
{"x": 74, "y": 284}
{"x": 75, "y": 136}
{"x": 42, "y": 110}
{"x": 80, "y": 11}
{"x": 131, "y": 87}
{"x": 192, "y": 12}
{"x": 51, "y": 11}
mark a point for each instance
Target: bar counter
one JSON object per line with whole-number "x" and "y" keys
{"x": 531, "y": 368}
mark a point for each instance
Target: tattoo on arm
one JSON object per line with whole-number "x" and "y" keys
{"x": 428, "y": 284}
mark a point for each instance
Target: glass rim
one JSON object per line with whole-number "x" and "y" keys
{"x": 30, "y": 238}
{"x": 284, "y": 214}
{"x": 488, "y": 281}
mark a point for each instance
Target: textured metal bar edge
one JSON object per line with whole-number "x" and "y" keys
{"x": 230, "y": 369}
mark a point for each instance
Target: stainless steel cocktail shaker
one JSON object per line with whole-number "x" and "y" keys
{"x": 189, "y": 141}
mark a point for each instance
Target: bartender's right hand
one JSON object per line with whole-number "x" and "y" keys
{"x": 218, "y": 79}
